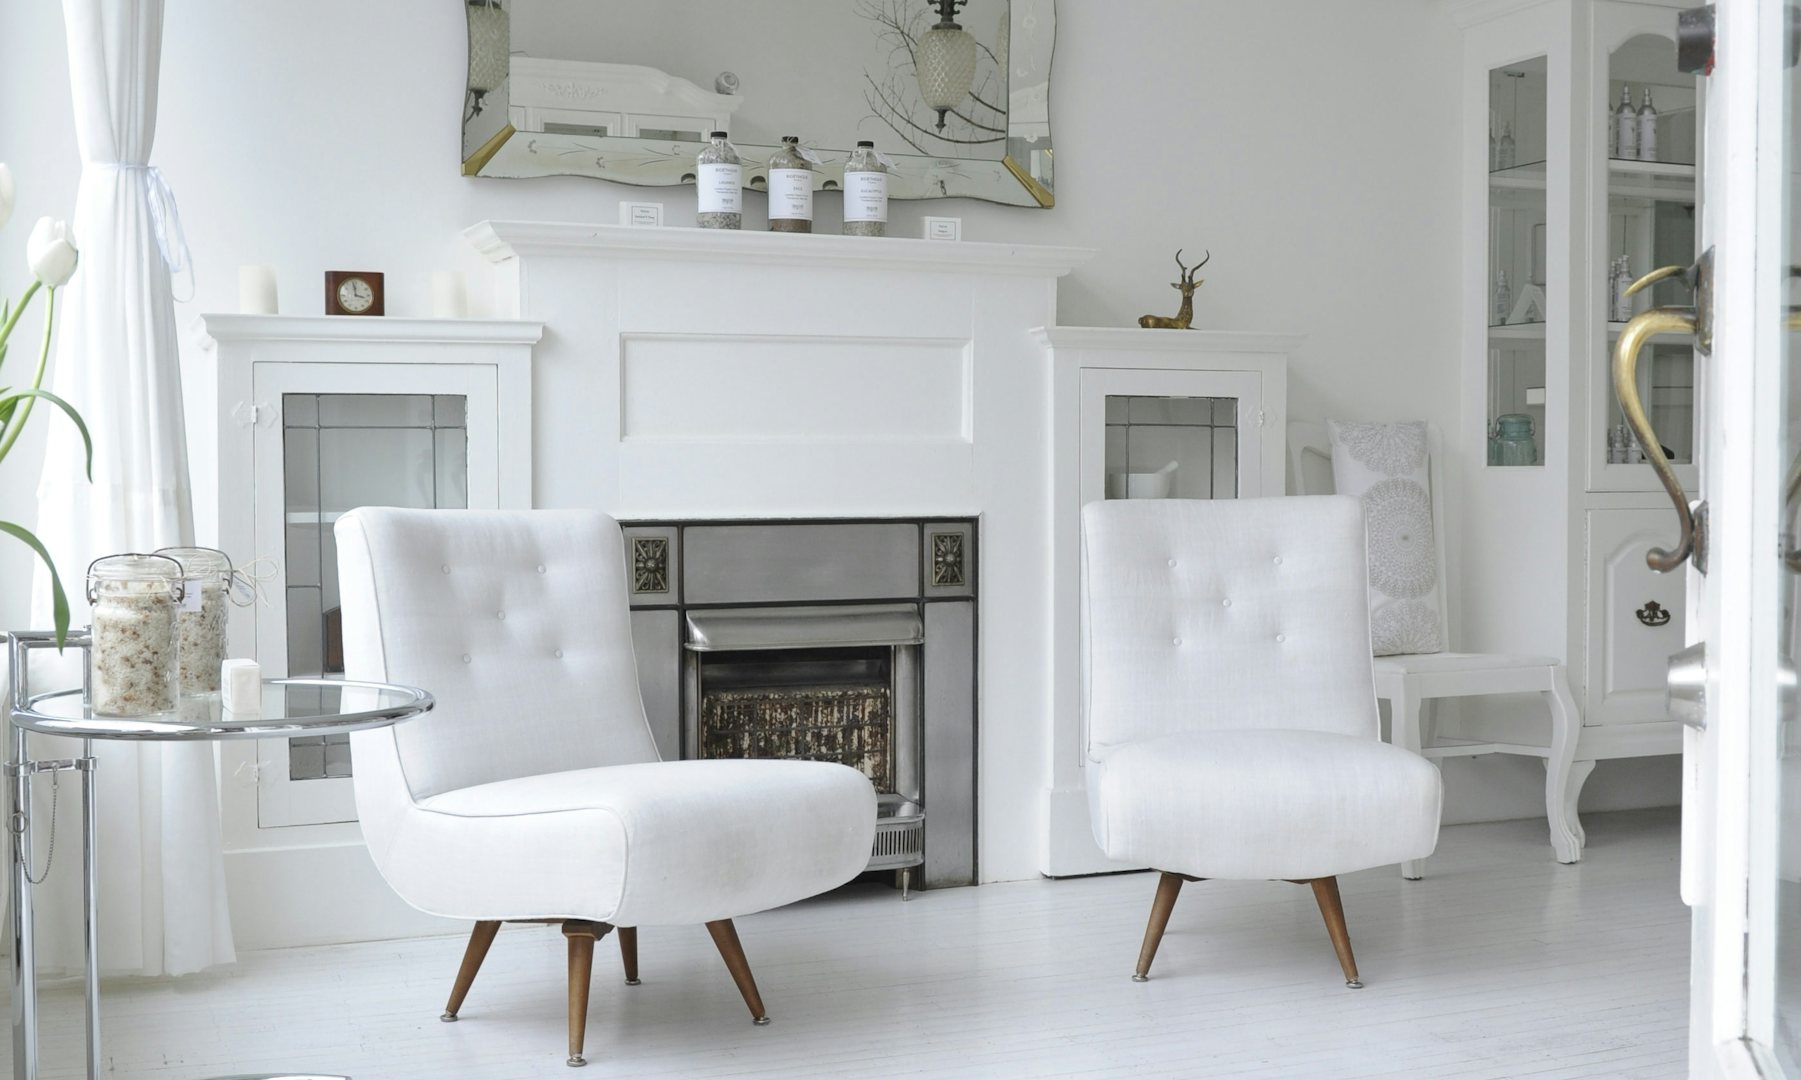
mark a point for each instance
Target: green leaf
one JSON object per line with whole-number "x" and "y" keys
{"x": 59, "y": 601}
{"x": 11, "y": 401}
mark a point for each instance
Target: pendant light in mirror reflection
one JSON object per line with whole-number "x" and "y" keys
{"x": 947, "y": 61}
{"x": 489, "y": 46}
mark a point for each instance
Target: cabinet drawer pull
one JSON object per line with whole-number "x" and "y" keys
{"x": 1653, "y": 614}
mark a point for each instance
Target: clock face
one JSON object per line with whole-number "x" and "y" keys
{"x": 355, "y": 295}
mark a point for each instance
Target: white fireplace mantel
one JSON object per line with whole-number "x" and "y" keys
{"x": 503, "y": 240}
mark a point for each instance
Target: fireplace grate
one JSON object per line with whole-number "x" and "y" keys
{"x": 848, "y": 724}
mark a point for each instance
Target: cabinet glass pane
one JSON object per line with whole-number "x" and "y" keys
{"x": 342, "y": 451}
{"x": 1172, "y": 447}
{"x": 1517, "y": 223}
{"x": 1649, "y": 144}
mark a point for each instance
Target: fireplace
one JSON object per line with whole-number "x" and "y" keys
{"x": 850, "y": 642}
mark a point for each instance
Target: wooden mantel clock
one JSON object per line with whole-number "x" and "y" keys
{"x": 354, "y": 292}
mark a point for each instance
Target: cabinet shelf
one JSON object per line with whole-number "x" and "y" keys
{"x": 1530, "y": 331}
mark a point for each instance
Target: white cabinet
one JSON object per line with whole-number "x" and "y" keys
{"x": 1635, "y": 617}
{"x": 1183, "y": 414}
{"x": 320, "y": 415}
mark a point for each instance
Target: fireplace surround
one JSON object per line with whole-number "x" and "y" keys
{"x": 850, "y": 641}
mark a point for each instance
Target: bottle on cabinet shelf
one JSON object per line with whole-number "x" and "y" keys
{"x": 720, "y": 185}
{"x": 1625, "y": 127}
{"x": 1647, "y": 129}
{"x": 1621, "y": 308}
{"x": 791, "y": 188}
{"x": 1506, "y": 155}
{"x": 1503, "y": 301}
{"x": 1492, "y": 144}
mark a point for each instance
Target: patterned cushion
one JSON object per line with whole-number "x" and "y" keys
{"x": 1385, "y": 465}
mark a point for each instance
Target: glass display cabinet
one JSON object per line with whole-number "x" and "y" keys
{"x": 1517, "y": 266}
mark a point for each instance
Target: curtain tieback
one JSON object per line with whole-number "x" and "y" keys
{"x": 165, "y": 221}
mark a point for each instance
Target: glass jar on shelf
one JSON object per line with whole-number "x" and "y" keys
{"x": 719, "y": 185}
{"x": 132, "y": 655}
{"x": 1512, "y": 442}
{"x": 791, "y": 188}
{"x": 865, "y": 192}
{"x": 200, "y": 620}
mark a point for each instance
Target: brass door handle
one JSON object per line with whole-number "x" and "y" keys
{"x": 1643, "y": 327}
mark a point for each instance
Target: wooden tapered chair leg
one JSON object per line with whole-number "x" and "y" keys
{"x": 628, "y": 953}
{"x": 581, "y": 934}
{"x": 1168, "y": 886}
{"x": 1325, "y": 890}
{"x": 473, "y": 955}
{"x": 725, "y": 935}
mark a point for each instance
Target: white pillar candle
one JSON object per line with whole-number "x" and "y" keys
{"x": 449, "y": 296}
{"x": 241, "y": 686}
{"x": 256, "y": 289}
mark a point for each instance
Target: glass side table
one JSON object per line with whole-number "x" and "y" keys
{"x": 290, "y": 708}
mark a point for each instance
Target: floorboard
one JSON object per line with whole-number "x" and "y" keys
{"x": 1501, "y": 963}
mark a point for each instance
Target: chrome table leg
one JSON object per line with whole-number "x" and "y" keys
{"x": 90, "y": 903}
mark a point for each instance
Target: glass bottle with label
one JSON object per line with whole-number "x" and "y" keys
{"x": 1506, "y": 157}
{"x": 1625, "y": 127}
{"x": 1647, "y": 129}
{"x": 790, "y": 188}
{"x": 865, "y": 192}
{"x": 720, "y": 185}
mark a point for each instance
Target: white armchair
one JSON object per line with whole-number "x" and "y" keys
{"x": 533, "y": 792}
{"x": 1230, "y": 705}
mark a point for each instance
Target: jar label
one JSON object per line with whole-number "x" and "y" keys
{"x": 866, "y": 196}
{"x": 791, "y": 194}
{"x": 721, "y": 188}
{"x": 191, "y": 595}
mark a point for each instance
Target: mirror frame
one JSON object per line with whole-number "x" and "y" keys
{"x": 640, "y": 162}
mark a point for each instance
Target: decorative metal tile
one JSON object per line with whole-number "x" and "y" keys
{"x": 650, "y": 564}
{"x": 947, "y": 560}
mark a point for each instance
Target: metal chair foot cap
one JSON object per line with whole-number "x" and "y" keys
{"x": 633, "y": 982}
{"x": 761, "y": 1021}
{"x": 448, "y": 1018}
{"x": 1354, "y": 984}
{"x": 576, "y": 1061}
{"x": 1141, "y": 978}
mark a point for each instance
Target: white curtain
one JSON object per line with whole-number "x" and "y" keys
{"x": 162, "y": 879}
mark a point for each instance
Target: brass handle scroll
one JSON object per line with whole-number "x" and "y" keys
{"x": 1643, "y": 327}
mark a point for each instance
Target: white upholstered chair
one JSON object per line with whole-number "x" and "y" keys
{"x": 1411, "y": 682}
{"x": 1230, "y": 711}
{"x": 533, "y": 792}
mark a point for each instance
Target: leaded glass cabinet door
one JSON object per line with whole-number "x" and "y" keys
{"x": 344, "y": 436}
{"x": 1157, "y": 434}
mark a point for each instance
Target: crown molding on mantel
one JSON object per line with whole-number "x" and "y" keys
{"x": 1184, "y": 341}
{"x": 499, "y": 241}
{"x": 213, "y": 328}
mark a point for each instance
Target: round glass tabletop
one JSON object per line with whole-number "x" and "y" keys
{"x": 291, "y": 707}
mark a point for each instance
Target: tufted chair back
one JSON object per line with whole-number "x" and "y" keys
{"x": 516, "y": 621}
{"x": 1240, "y": 613}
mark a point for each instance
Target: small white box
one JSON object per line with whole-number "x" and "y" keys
{"x": 943, "y": 228}
{"x": 241, "y": 687}
{"x": 641, "y": 213}
{"x": 1535, "y": 395}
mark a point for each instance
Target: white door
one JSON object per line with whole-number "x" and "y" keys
{"x": 1171, "y": 434}
{"x": 1734, "y": 685}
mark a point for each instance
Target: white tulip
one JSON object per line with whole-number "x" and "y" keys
{"x": 6, "y": 193}
{"x": 51, "y": 252}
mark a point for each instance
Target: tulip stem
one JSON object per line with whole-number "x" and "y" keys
{"x": 16, "y": 423}
{"x": 6, "y": 331}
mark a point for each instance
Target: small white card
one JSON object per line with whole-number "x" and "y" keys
{"x": 943, "y": 228}
{"x": 641, "y": 213}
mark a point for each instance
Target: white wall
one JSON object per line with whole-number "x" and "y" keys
{"x": 1309, "y": 144}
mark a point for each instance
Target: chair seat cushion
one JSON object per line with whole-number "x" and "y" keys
{"x": 677, "y": 842}
{"x": 1424, "y": 663}
{"x": 1255, "y": 804}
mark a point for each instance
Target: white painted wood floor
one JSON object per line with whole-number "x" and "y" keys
{"x": 1500, "y": 964}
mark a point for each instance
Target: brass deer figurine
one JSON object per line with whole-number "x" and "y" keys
{"x": 1185, "y": 314}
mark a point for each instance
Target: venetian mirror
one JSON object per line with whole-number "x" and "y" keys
{"x": 954, "y": 92}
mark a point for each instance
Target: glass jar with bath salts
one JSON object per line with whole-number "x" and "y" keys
{"x": 131, "y": 658}
{"x": 865, "y": 191}
{"x": 791, "y": 187}
{"x": 719, "y": 185}
{"x": 200, "y": 619}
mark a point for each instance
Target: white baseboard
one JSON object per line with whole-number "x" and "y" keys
{"x": 321, "y": 895}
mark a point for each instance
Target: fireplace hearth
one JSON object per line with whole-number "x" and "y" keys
{"x": 851, "y": 642}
